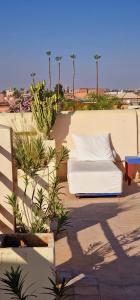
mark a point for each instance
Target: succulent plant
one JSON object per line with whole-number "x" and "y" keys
{"x": 44, "y": 108}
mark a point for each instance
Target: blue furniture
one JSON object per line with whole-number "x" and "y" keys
{"x": 130, "y": 167}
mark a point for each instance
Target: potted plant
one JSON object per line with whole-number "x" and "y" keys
{"x": 45, "y": 106}
{"x": 37, "y": 207}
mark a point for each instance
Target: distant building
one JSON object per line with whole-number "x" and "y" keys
{"x": 1, "y": 97}
{"x": 126, "y": 97}
{"x": 26, "y": 94}
{"x": 83, "y": 93}
{"x": 4, "y": 106}
{"x": 5, "y": 103}
{"x": 9, "y": 92}
{"x": 11, "y": 100}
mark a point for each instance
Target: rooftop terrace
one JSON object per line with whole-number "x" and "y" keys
{"x": 100, "y": 251}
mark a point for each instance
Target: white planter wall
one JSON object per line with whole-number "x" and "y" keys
{"x": 6, "y": 179}
{"x": 38, "y": 262}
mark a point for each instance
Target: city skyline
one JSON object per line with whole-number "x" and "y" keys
{"x": 109, "y": 28}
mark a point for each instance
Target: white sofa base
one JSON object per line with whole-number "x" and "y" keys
{"x": 94, "y": 177}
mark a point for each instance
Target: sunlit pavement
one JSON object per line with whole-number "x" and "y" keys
{"x": 100, "y": 251}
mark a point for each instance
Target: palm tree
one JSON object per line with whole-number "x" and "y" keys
{"x": 33, "y": 78}
{"x": 58, "y": 59}
{"x": 49, "y": 56}
{"x": 73, "y": 57}
{"x": 97, "y": 57}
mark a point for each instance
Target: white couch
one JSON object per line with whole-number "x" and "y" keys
{"x": 92, "y": 169}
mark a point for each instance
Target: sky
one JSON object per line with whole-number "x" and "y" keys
{"x": 111, "y": 28}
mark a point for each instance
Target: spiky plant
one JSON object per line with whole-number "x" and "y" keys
{"x": 31, "y": 157}
{"x": 58, "y": 290}
{"x": 12, "y": 201}
{"x": 13, "y": 284}
{"x": 62, "y": 154}
{"x": 18, "y": 223}
{"x": 45, "y": 204}
{"x": 63, "y": 221}
{"x": 55, "y": 210}
{"x": 30, "y": 154}
{"x": 39, "y": 209}
{"x": 44, "y": 108}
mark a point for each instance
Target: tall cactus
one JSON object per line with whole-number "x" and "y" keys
{"x": 44, "y": 108}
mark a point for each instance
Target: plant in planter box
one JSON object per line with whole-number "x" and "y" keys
{"x": 45, "y": 204}
{"x": 44, "y": 108}
{"x": 32, "y": 246}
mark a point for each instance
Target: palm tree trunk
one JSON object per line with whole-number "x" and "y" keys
{"x": 73, "y": 76}
{"x": 49, "y": 74}
{"x": 58, "y": 78}
{"x": 97, "y": 79}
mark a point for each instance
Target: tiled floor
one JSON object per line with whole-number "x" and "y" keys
{"x": 101, "y": 249}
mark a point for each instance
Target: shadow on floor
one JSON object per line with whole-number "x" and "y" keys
{"x": 100, "y": 244}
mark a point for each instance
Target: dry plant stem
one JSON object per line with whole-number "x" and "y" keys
{"x": 50, "y": 173}
{"x": 28, "y": 220}
{"x": 34, "y": 184}
{"x": 26, "y": 183}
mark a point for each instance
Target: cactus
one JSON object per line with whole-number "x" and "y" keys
{"x": 44, "y": 108}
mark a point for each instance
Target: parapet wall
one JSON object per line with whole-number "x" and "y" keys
{"x": 6, "y": 179}
{"x": 123, "y": 125}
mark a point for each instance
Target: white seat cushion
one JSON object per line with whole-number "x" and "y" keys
{"x": 100, "y": 177}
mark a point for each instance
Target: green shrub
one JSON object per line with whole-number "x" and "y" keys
{"x": 93, "y": 102}
{"x": 103, "y": 102}
{"x": 68, "y": 105}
